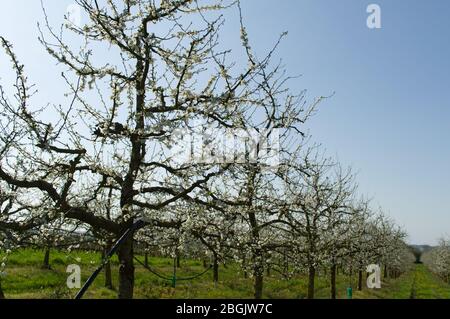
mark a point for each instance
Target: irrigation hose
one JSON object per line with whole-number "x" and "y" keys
{"x": 171, "y": 278}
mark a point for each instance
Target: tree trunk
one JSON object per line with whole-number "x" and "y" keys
{"x": 178, "y": 261}
{"x": 126, "y": 269}
{"x": 216, "y": 270}
{"x": 258, "y": 285}
{"x": 360, "y": 279}
{"x": 333, "y": 281}
{"x": 245, "y": 270}
{"x": 286, "y": 264}
{"x": 46, "y": 263}
{"x": 146, "y": 259}
{"x": 2, "y": 295}
{"x": 258, "y": 253}
{"x": 108, "y": 276}
{"x": 385, "y": 271}
{"x": 311, "y": 278}
{"x": 174, "y": 276}
{"x": 258, "y": 273}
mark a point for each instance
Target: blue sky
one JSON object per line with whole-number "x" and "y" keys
{"x": 389, "y": 117}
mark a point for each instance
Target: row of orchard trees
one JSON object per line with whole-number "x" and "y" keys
{"x": 297, "y": 220}
{"x": 438, "y": 259}
{"x": 103, "y": 156}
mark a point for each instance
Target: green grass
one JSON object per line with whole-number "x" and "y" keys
{"x": 26, "y": 279}
{"x": 419, "y": 283}
{"x": 429, "y": 286}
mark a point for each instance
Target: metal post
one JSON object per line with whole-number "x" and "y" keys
{"x": 349, "y": 293}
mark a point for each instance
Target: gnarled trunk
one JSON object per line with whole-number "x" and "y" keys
{"x": 126, "y": 269}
